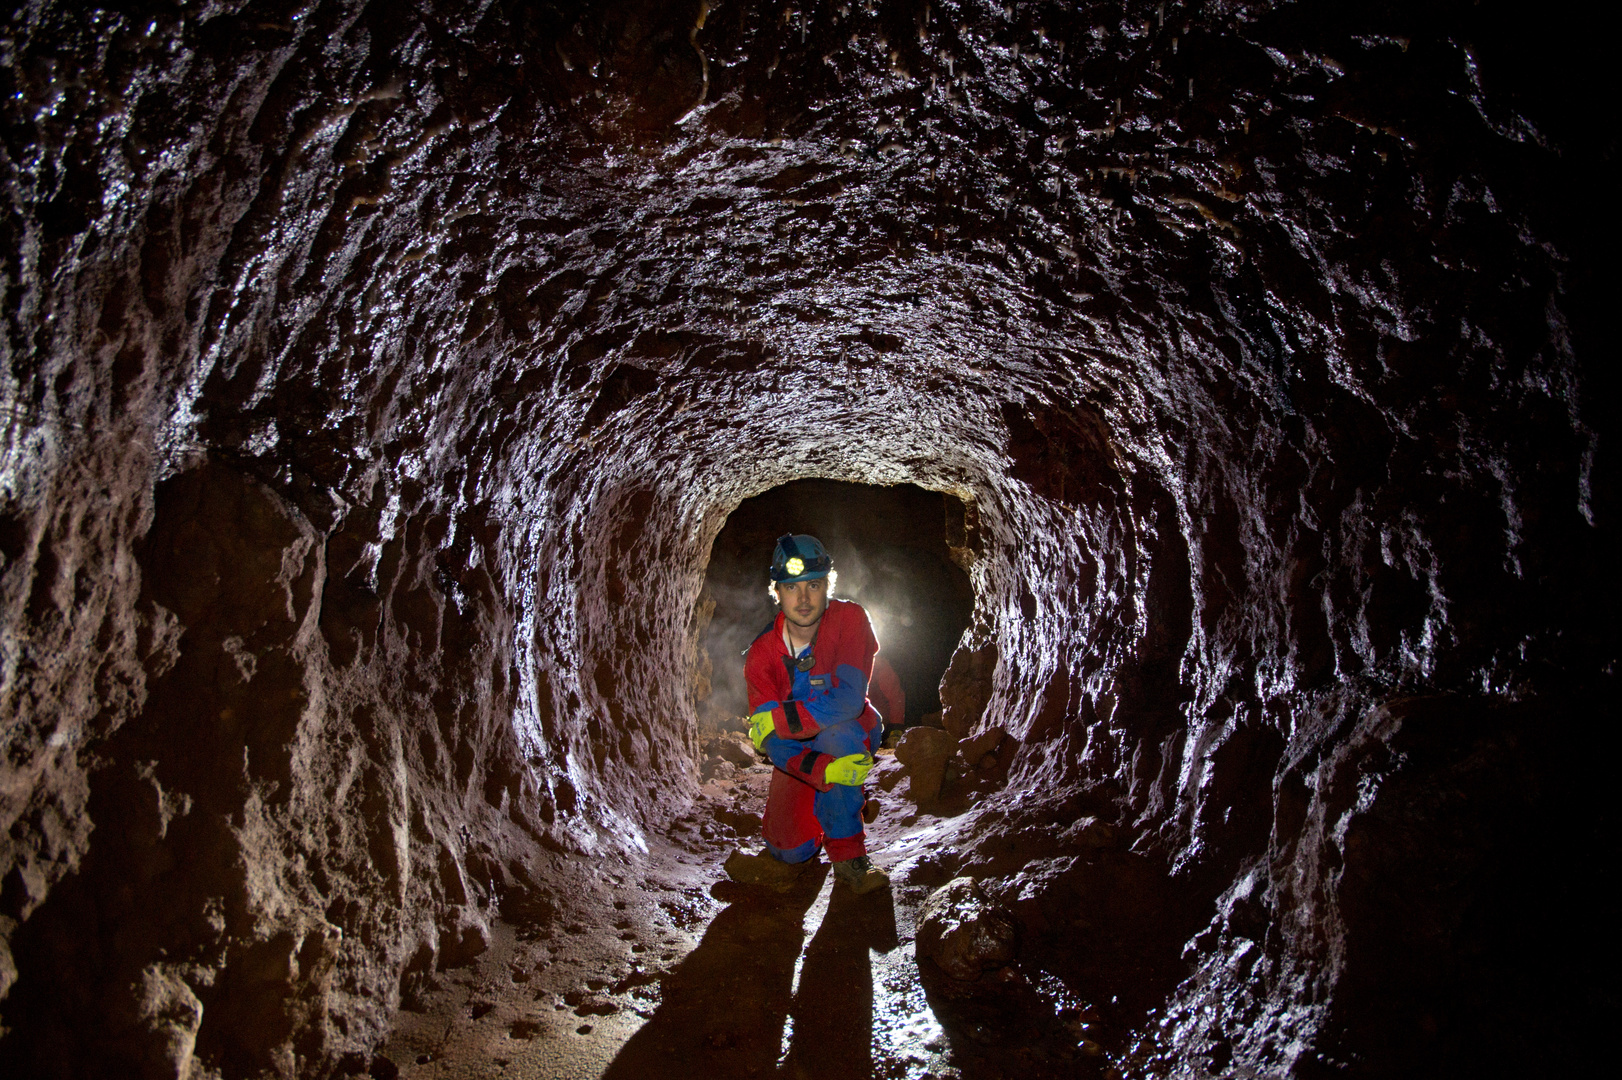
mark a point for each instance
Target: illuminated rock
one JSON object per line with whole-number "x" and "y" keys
{"x": 377, "y": 379}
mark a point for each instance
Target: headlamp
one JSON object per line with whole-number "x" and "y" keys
{"x": 794, "y": 560}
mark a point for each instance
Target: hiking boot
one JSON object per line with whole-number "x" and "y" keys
{"x": 763, "y": 869}
{"x": 860, "y": 874}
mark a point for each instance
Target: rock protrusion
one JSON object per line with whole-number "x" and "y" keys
{"x": 154, "y": 1021}
{"x": 966, "y": 688}
{"x": 975, "y": 750}
{"x": 925, "y": 752}
{"x": 964, "y": 932}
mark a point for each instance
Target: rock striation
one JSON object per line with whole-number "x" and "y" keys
{"x": 376, "y": 382}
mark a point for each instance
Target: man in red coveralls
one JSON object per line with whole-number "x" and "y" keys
{"x": 808, "y": 676}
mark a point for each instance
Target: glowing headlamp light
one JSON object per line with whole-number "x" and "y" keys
{"x": 797, "y": 561}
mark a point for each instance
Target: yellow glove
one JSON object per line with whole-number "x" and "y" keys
{"x": 850, "y": 770}
{"x": 760, "y": 726}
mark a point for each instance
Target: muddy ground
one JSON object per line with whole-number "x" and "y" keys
{"x": 668, "y": 969}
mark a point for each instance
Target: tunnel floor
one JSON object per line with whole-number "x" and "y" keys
{"x": 665, "y": 968}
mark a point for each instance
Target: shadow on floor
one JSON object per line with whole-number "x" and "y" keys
{"x": 833, "y": 1007}
{"x": 723, "y": 1011}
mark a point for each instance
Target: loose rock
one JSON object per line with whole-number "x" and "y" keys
{"x": 925, "y": 752}
{"x": 976, "y": 749}
{"x": 964, "y": 932}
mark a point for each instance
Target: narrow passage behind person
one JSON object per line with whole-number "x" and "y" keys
{"x": 808, "y": 676}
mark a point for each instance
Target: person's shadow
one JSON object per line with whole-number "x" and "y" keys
{"x": 833, "y": 1007}
{"x": 722, "y": 1011}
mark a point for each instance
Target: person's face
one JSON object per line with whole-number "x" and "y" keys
{"x": 803, "y": 602}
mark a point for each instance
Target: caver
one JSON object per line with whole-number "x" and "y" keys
{"x": 808, "y": 675}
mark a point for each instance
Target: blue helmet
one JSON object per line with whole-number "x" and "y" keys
{"x": 799, "y": 558}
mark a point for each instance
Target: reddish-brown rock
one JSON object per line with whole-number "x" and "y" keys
{"x": 976, "y": 748}
{"x": 925, "y": 752}
{"x": 964, "y": 932}
{"x": 375, "y": 380}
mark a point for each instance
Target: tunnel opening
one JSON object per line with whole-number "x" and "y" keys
{"x": 900, "y": 551}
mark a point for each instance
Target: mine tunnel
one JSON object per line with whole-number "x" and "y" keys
{"x": 401, "y": 403}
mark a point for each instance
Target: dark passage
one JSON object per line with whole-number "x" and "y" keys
{"x": 890, "y": 548}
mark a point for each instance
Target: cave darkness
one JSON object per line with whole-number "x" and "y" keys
{"x": 379, "y": 379}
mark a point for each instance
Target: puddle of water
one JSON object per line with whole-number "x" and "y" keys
{"x": 908, "y": 1041}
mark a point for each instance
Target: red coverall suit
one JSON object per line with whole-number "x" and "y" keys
{"x": 886, "y": 694}
{"x": 818, "y": 716}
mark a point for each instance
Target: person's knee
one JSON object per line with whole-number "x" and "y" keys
{"x": 799, "y": 854}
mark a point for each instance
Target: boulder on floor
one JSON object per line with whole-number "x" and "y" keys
{"x": 964, "y": 932}
{"x": 925, "y": 752}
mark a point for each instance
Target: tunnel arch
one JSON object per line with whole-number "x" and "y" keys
{"x": 1057, "y": 475}
{"x": 1265, "y": 344}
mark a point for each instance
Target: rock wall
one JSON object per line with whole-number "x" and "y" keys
{"x": 377, "y": 380}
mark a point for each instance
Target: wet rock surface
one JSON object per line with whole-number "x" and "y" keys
{"x": 963, "y": 932}
{"x": 376, "y": 381}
